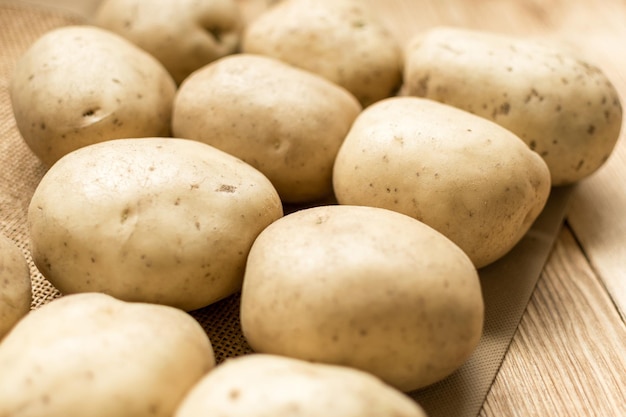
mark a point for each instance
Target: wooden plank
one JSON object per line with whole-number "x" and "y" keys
{"x": 567, "y": 358}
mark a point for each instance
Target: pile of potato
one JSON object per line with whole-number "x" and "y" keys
{"x": 348, "y": 186}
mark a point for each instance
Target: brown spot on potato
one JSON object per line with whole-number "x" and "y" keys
{"x": 591, "y": 129}
{"x": 124, "y": 215}
{"x": 225, "y": 188}
{"x": 90, "y": 112}
{"x": 234, "y": 394}
{"x": 422, "y": 85}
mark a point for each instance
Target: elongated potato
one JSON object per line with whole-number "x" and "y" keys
{"x": 15, "y": 285}
{"x": 78, "y": 85}
{"x": 465, "y": 176}
{"x": 565, "y": 109}
{"x": 268, "y": 385}
{"x": 341, "y": 40}
{"x": 286, "y": 122}
{"x": 158, "y": 220}
{"x": 363, "y": 287}
{"x": 94, "y": 356}
{"x": 183, "y": 35}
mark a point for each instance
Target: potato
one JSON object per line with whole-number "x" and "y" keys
{"x": 269, "y": 385}
{"x": 286, "y": 122}
{"x": 363, "y": 287}
{"x": 15, "y": 286}
{"x": 564, "y": 108}
{"x": 78, "y": 85}
{"x": 463, "y": 175}
{"x": 342, "y": 40}
{"x": 183, "y": 35}
{"x": 94, "y": 356}
{"x": 160, "y": 220}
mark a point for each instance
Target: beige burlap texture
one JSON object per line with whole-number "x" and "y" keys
{"x": 507, "y": 284}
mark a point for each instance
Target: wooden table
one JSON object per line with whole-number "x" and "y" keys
{"x": 568, "y": 356}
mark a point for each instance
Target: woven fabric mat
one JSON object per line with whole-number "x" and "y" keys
{"x": 507, "y": 284}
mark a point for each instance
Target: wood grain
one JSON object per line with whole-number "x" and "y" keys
{"x": 567, "y": 358}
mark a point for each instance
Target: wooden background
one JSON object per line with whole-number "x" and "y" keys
{"x": 568, "y": 356}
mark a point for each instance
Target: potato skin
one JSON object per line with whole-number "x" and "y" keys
{"x": 286, "y": 122}
{"x": 183, "y": 35}
{"x": 161, "y": 220}
{"x": 564, "y": 108}
{"x": 259, "y": 385}
{"x": 15, "y": 285}
{"x": 362, "y": 287}
{"x": 341, "y": 40}
{"x": 79, "y": 85}
{"x": 463, "y": 175}
{"x": 94, "y": 356}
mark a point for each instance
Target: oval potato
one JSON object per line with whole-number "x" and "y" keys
{"x": 564, "y": 108}
{"x": 260, "y": 385}
{"x": 286, "y": 122}
{"x": 341, "y": 40}
{"x": 15, "y": 285}
{"x": 363, "y": 287}
{"x": 183, "y": 35}
{"x": 463, "y": 175}
{"x": 78, "y": 85}
{"x": 94, "y": 356}
{"x": 158, "y": 220}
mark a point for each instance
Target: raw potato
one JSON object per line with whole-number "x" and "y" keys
{"x": 260, "y": 385}
{"x": 79, "y": 85}
{"x": 286, "y": 122}
{"x": 465, "y": 176}
{"x": 158, "y": 220}
{"x": 183, "y": 35}
{"x": 341, "y": 40}
{"x": 364, "y": 287}
{"x": 562, "y": 107}
{"x": 91, "y": 355}
{"x": 15, "y": 285}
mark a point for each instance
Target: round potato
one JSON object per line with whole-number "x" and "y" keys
{"x": 94, "y": 356}
{"x": 341, "y": 40}
{"x": 562, "y": 107}
{"x": 363, "y": 287}
{"x": 159, "y": 220}
{"x": 463, "y": 175}
{"x": 260, "y": 385}
{"x": 15, "y": 286}
{"x": 286, "y": 122}
{"x": 79, "y": 85}
{"x": 183, "y": 35}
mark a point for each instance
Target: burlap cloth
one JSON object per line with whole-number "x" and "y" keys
{"x": 507, "y": 285}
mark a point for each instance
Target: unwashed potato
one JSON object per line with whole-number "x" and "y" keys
{"x": 260, "y": 385}
{"x": 183, "y": 35}
{"x": 465, "y": 176}
{"x": 363, "y": 287}
{"x": 15, "y": 285}
{"x": 159, "y": 220}
{"x": 342, "y": 40}
{"x": 564, "y": 108}
{"x": 91, "y": 355}
{"x": 79, "y": 85}
{"x": 284, "y": 121}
